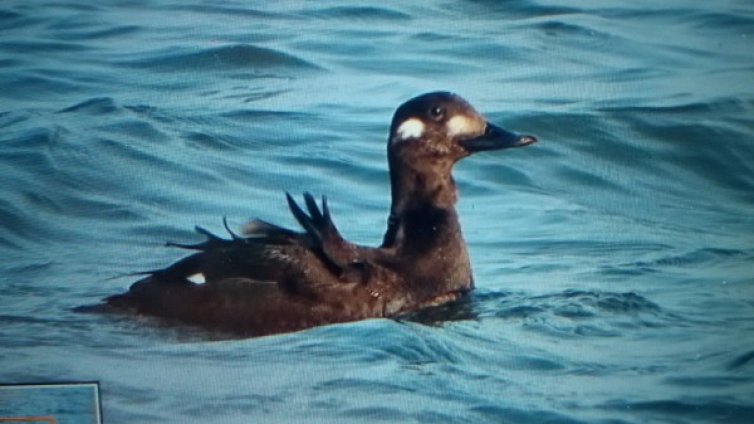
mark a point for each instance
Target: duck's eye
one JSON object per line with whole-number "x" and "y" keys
{"x": 437, "y": 113}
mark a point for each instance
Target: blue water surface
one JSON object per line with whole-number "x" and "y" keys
{"x": 73, "y": 403}
{"x": 614, "y": 260}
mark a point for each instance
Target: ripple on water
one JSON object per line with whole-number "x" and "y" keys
{"x": 696, "y": 257}
{"x": 692, "y": 410}
{"x": 495, "y": 413}
{"x": 93, "y": 106}
{"x": 742, "y": 361}
{"x": 98, "y": 34}
{"x": 42, "y": 47}
{"x": 18, "y": 86}
{"x": 575, "y": 313}
{"x": 358, "y": 12}
{"x": 231, "y": 57}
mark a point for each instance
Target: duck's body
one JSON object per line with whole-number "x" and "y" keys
{"x": 275, "y": 280}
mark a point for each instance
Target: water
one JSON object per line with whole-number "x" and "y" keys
{"x": 71, "y": 403}
{"x": 614, "y": 260}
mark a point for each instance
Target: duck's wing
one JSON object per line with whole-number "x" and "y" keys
{"x": 271, "y": 282}
{"x": 320, "y": 234}
{"x": 324, "y": 235}
{"x": 258, "y": 228}
{"x": 286, "y": 267}
{"x": 301, "y": 263}
{"x": 262, "y": 257}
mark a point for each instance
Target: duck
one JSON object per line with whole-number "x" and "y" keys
{"x": 270, "y": 279}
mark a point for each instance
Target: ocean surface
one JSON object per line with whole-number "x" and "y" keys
{"x": 614, "y": 260}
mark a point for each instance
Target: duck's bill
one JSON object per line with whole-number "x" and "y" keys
{"x": 496, "y": 138}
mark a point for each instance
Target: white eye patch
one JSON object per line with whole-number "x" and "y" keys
{"x": 460, "y": 124}
{"x": 410, "y": 128}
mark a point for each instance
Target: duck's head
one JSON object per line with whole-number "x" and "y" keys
{"x": 443, "y": 126}
{"x": 429, "y": 134}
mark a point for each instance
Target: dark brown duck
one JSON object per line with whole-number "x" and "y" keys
{"x": 274, "y": 280}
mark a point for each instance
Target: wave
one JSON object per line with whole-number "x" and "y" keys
{"x": 231, "y": 57}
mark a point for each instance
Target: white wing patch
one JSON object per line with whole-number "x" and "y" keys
{"x": 410, "y": 128}
{"x": 460, "y": 124}
{"x": 197, "y": 278}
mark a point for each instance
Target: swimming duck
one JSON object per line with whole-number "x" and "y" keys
{"x": 272, "y": 279}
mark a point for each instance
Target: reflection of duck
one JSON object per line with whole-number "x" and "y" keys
{"x": 275, "y": 280}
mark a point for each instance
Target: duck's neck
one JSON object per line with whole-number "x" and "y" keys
{"x": 422, "y": 196}
{"x": 424, "y": 230}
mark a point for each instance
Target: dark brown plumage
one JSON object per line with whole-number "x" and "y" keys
{"x": 273, "y": 280}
